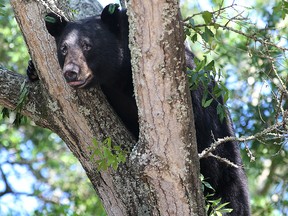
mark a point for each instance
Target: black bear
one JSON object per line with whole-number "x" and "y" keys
{"x": 95, "y": 51}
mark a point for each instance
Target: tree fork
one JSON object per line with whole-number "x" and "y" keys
{"x": 79, "y": 117}
{"x": 166, "y": 180}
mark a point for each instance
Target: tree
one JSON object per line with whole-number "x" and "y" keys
{"x": 252, "y": 58}
{"x": 79, "y": 117}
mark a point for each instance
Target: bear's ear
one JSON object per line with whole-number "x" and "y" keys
{"x": 55, "y": 24}
{"x": 110, "y": 16}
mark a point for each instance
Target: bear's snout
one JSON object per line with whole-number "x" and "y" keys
{"x": 70, "y": 76}
{"x": 77, "y": 76}
{"x": 71, "y": 72}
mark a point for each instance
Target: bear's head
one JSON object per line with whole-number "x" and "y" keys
{"x": 91, "y": 50}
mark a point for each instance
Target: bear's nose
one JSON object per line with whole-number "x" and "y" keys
{"x": 70, "y": 76}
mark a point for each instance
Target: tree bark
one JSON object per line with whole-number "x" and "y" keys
{"x": 164, "y": 106}
{"x": 161, "y": 175}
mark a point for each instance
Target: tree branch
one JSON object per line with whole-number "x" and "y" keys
{"x": 217, "y": 12}
{"x": 79, "y": 116}
{"x": 207, "y": 152}
{"x": 254, "y": 37}
{"x": 5, "y": 180}
{"x": 10, "y": 88}
{"x": 11, "y": 83}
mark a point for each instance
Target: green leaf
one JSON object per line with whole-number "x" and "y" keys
{"x": 18, "y": 119}
{"x": 50, "y": 19}
{"x": 207, "y": 185}
{"x": 207, "y": 35}
{"x": 102, "y": 165}
{"x": 200, "y": 64}
{"x": 192, "y": 22}
{"x": 115, "y": 166}
{"x": 24, "y": 91}
{"x": 221, "y": 112}
{"x": 121, "y": 158}
{"x": 95, "y": 142}
{"x": 207, "y": 103}
{"x": 225, "y": 96}
{"x": 207, "y": 16}
{"x": 117, "y": 148}
{"x": 112, "y": 8}
{"x": 108, "y": 142}
{"x": 216, "y": 202}
{"x": 221, "y": 206}
{"x": 281, "y": 8}
{"x": 107, "y": 154}
{"x": 210, "y": 66}
{"x": 204, "y": 98}
{"x": 5, "y": 112}
{"x": 194, "y": 38}
{"x": 209, "y": 32}
{"x": 216, "y": 26}
{"x": 187, "y": 32}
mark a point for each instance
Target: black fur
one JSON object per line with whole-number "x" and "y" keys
{"x": 31, "y": 72}
{"x": 102, "y": 44}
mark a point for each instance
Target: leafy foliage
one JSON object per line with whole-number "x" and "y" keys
{"x": 107, "y": 154}
{"x": 24, "y": 91}
{"x": 14, "y": 54}
{"x": 42, "y": 162}
{"x": 281, "y": 8}
{"x": 214, "y": 207}
{"x": 204, "y": 75}
{"x": 248, "y": 46}
{"x": 1, "y": 8}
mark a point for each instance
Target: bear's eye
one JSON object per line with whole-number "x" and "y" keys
{"x": 63, "y": 49}
{"x": 86, "y": 46}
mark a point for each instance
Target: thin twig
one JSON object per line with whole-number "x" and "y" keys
{"x": 224, "y": 160}
{"x": 268, "y": 130}
{"x": 252, "y": 37}
{"x": 212, "y": 12}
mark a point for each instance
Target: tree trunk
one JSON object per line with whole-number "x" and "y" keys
{"x": 164, "y": 105}
{"x": 161, "y": 174}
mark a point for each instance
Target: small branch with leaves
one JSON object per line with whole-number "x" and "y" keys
{"x": 216, "y": 20}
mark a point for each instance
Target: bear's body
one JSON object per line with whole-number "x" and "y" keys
{"x": 95, "y": 51}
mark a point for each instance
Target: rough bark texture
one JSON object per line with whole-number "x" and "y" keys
{"x": 161, "y": 174}
{"x": 164, "y": 105}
